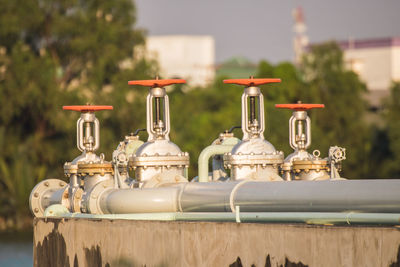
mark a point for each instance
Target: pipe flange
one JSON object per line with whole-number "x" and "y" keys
{"x": 70, "y": 169}
{"x": 181, "y": 160}
{"x": 91, "y": 200}
{"x": 264, "y": 159}
{"x": 39, "y": 191}
{"x": 308, "y": 165}
{"x": 286, "y": 167}
{"x": 95, "y": 168}
{"x": 77, "y": 200}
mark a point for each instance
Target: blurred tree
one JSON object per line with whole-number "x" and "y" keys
{"x": 62, "y": 52}
{"x": 288, "y": 91}
{"x": 55, "y": 53}
{"x": 387, "y": 142}
{"x": 341, "y": 122}
{"x": 200, "y": 115}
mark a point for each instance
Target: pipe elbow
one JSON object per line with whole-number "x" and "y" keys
{"x": 206, "y": 154}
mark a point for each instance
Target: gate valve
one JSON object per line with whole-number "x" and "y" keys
{"x": 88, "y": 127}
{"x": 300, "y": 165}
{"x": 253, "y": 157}
{"x": 158, "y": 161}
{"x": 300, "y": 140}
{"x": 158, "y": 125}
{"x": 253, "y": 126}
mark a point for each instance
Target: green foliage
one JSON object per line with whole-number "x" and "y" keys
{"x": 18, "y": 177}
{"x": 341, "y": 122}
{"x": 198, "y": 116}
{"x": 66, "y": 52}
{"x": 55, "y": 53}
{"x": 388, "y": 140}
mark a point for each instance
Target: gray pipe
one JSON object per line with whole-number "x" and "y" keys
{"x": 263, "y": 217}
{"x": 295, "y": 196}
{"x": 373, "y": 196}
{"x": 122, "y": 201}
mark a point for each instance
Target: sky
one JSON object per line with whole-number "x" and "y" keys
{"x": 263, "y": 29}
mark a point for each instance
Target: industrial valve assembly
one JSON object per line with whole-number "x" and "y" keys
{"x": 158, "y": 161}
{"x": 254, "y": 157}
{"x": 300, "y": 165}
{"x": 248, "y": 173}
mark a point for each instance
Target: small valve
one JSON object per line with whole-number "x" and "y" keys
{"x": 337, "y": 154}
{"x": 300, "y": 140}
{"x": 253, "y": 126}
{"x": 158, "y": 125}
{"x": 88, "y": 138}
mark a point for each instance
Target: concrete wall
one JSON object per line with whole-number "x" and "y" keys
{"x": 81, "y": 242}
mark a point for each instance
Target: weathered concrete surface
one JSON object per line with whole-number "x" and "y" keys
{"x": 82, "y": 242}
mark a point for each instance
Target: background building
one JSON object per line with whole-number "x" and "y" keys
{"x": 184, "y": 56}
{"x": 376, "y": 61}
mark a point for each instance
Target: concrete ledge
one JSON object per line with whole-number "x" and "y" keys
{"x": 88, "y": 242}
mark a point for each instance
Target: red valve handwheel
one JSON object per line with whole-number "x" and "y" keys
{"x": 87, "y": 108}
{"x": 300, "y": 106}
{"x": 156, "y": 83}
{"x": 252, "y": 81}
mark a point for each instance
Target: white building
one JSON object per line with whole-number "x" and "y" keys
{"x": 184, "y": 56}
{"x": 377, "y": 61}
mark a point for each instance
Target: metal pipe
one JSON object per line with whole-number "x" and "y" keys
{"x": 206, "y": 154}
{"x": 295, "y": 217}
{"x": 364, "y": 196}
{"x": 266, "y": 217}
{"x": 295, "y": 196}
{"x": 140, "y": 200}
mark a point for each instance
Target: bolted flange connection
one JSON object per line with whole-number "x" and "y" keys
{"x": 45, "y": 193}
{"x": 95, "y": 168}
